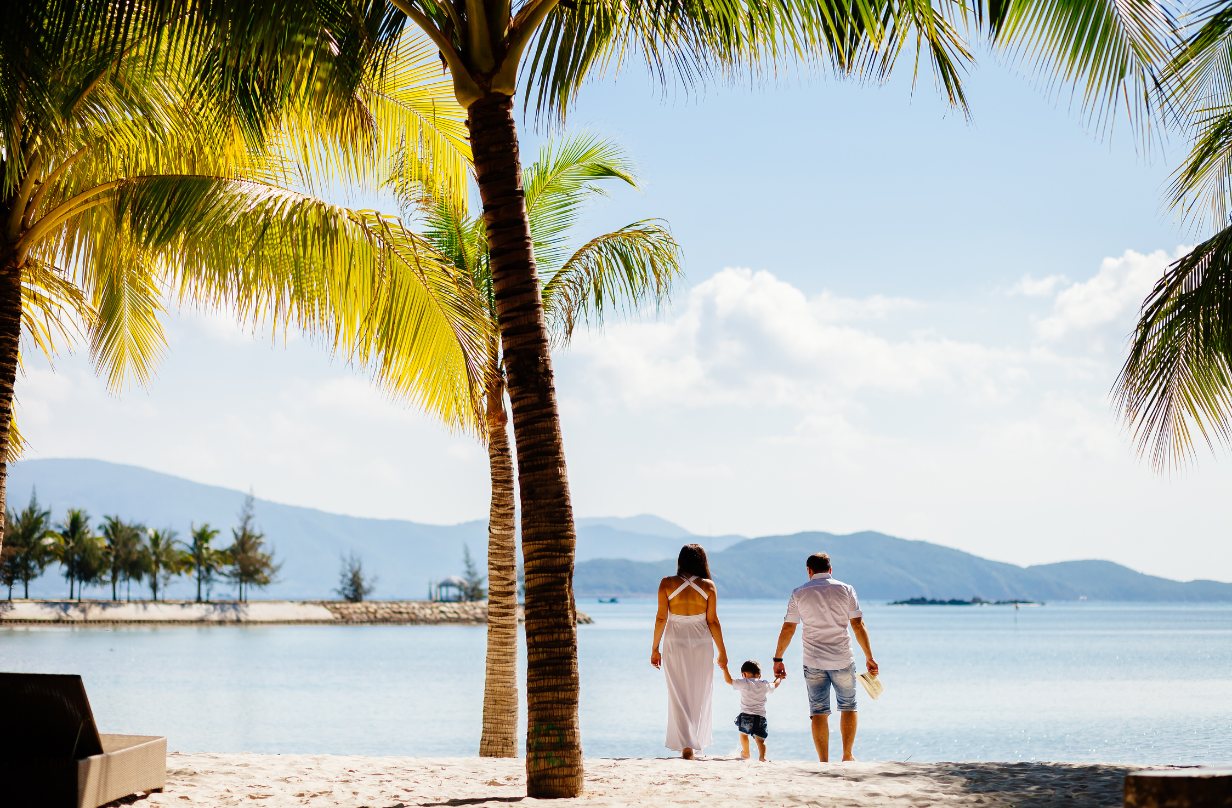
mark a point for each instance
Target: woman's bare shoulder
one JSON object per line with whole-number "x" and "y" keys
{"x": 668, "y": 581}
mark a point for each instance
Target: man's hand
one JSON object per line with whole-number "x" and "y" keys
{"x": 780, "y": 671}
{"x": 871, "y": 665}
{"x": 656, "y": 658}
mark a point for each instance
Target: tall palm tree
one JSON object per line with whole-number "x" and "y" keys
{"x": 159, "y": 154}
{"x": 78, "y": 550}
{"x": 31, "y": 532}
{"x": 1177, "y": 379}
{"x": 164, "y": 558}
{"x": 613, "y": 270}
{"x": 1107, "y": 47}
{"x": 207, "y": 561}
{"x": 123, "y": 546}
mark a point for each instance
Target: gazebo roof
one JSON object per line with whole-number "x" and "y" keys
{"x": 453, "y": 580}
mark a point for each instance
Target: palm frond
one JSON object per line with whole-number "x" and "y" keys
{"x": 560, "y": 182}
{"x": 1109, "y": 51}
{"x": 700, "y": 40}
{"x": 1178, "y": 376}
{"x": 618, "y": 270}
{"x": 376, "y": 293}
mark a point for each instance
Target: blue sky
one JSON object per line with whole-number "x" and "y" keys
{"x": 894, "y": 319}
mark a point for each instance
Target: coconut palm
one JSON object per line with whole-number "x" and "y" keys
{"x": 78, "y": 550}
{"x": 123, "y": 549}
{"x": 1177, "y": 379}
{"x": 207, "y": 561}
{"x": 29, "y": 550}
{"x": 1106, "y": 47}
{"x": 164, "y": 558}
{"x": 160, "y": 154}
{"x": 613, "y": 270}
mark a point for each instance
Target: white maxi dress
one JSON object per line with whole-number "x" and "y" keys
{"x": 688, "y": 662}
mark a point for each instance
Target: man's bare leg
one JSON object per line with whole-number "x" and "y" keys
{"x": 744, "y": 746}
{"x": 821, "y": 737}
{"x": 847, "y": 723}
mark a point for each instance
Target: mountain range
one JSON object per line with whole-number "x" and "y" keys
{"x": 616, "y": 555}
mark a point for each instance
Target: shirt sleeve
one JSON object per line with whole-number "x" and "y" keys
{"x": 854, "y": 606}
{"x": 793, "y": 610}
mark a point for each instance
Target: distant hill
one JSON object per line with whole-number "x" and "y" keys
{"x": 882, "y": 567}
{"x": 616, "y": 555}
{"x": 405, "y": 555}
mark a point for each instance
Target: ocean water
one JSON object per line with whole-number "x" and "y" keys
{"x": 1062, "y": 682}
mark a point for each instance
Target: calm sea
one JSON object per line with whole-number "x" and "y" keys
{"x": 1068, "y": 682}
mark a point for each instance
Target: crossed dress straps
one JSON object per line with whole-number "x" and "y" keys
{"x": 689, "y": 581}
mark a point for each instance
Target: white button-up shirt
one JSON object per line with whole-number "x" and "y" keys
{"x": 825, "y": 607}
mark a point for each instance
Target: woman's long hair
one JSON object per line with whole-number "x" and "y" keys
{"x": 692, "y": 561}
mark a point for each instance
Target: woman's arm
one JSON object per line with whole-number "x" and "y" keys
{"x": 660, "y": 623}
{"x": 716, "y": 630}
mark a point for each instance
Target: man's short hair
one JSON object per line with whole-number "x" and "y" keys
{"x": 751, "y": 667}
{"x": 819, "y": 562}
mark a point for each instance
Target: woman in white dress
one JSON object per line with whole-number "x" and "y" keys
{"x": 688, "y": 625}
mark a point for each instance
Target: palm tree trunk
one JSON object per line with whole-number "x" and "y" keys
{"x": 500, "y": 693}
{"x": 10, "y": 345}
{"x": 553, "y": 742}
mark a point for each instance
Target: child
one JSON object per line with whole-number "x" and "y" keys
{"x": 752, "y": 719}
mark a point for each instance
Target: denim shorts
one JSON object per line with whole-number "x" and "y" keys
{"x": 818, "y": 683}
{"x": 750, "y": 724}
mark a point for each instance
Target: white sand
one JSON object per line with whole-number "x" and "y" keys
{"x": 393, "y": 782}
{"x": 264, "y": 611}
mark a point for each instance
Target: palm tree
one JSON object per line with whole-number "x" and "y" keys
{"x": 1106, "y": 46}
{"x": 615, "y": 269}
{"x": 78, "y": 550}
{"x": 164, "y": 558}
{"x": 162, "y": 152}
{"x": 1177, "y": 379}
{"x": 207, "y": 561}
{"x": 28, "y": 551}
{"x": 123, "y": 548}
{"x": 250, "y": 564}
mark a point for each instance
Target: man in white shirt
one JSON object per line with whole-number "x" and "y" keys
{"x": 826, "y": 607}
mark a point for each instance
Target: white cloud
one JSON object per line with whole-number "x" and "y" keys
{"x": 1111, "y": 297}
{"x": 1031, "y": 287}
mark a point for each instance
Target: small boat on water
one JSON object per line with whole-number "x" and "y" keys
{"x": 609, "y": 600}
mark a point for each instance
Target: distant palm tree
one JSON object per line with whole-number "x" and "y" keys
{"x": 27, "y": 551}
{"x": 617, "y": 270}
{"x": 250, "y": 564}
{"x": 124, "y": 542}
{"x": 78, "y": 550}
{"x": 207, "y": 561}
{"x": 164, "y": 558}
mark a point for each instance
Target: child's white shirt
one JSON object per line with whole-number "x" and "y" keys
{"x": 753, "y": 694}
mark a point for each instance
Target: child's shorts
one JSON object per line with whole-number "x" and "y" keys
{"x": 750, "y": 724}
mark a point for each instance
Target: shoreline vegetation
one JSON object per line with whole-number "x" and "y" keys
{"x": 975, "y": 601}
{"x": 269, "y": 612}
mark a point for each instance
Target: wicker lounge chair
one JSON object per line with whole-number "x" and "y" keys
{"x": 52, "y": 755}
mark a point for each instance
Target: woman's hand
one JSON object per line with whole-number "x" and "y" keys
{"x": 723, "y": 659}
{"x": 656, "y": 658}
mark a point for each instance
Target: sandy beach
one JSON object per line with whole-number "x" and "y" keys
{"x": 401, "y": 782}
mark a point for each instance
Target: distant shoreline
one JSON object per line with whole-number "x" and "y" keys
{"x": 261, "y": 612}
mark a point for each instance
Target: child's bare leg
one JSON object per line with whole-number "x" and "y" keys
{"x": 761, "y": 749}
{"x": 744, "y": 745}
